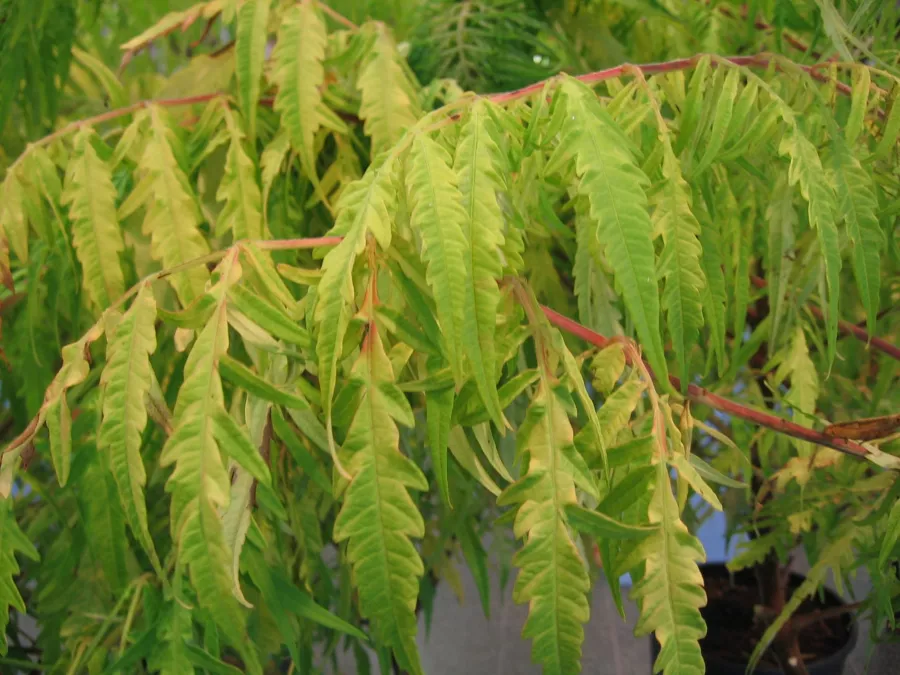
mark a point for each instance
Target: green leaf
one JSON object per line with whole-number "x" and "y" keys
{"x": 437, "y": 214}
{"x": 464, "y": 453}
{"x": 804, "y": 385}
{"x": 173, "y": 632}
{"x": 552, "y": 576}
{"x": 630, "y": 489}
{"x": 858, "y": 207}
{"x": 607, "y": 367}
{"x": 477, "y": 559}
{"x": 601, "y": 526}
{"x": 263, "y": 578}
{"x": 377, "y": 516}
{"x": 806, "y": 170}
{"x": 670, "y": 592}
{"x": 15, "y": 202}
{"x": 576, "y": 381}
{"x": 242, "y": 213}
{"x": 298, "y": 72}
{"x": 592, "y": 286}
{"x": 303, "y": 605}
{"x": 202, "y": 659}
{"x": 104, "y": 523}
{"x": 269, "y": 317}
{"x": 250, "y": 46}
{"x": 389, "y": 100}
{"x": 891, "y": 537}
{"x": 202, "y": 547}
{"x": 59, "y": 428}
{"x": 192, "y": 446}
{"x": 365, "y": 206}
{"x": 12, "y": 541}
{"x": 688, "y": 472}
{"x": 712, "y": 474}
{"x": 782, "y": 217}
{"x": 95, "y": 231}
{"x": 612, "y": 181}
{"x": 679, "y": 264}
{"x": 300, "y": 454}
{"x": 126, "y": 382}
{"x": 438, "y": 414}
{"x": 481, "y": 167}
{"x": 171, "y": 213}
{"x": 721, "y": 121}
{"x": 235, "y": 523}
{"x": 235, "y": 442}
{"x": 617, "y": 408}
{"x": 859, "y": 100}
{"x": 239, "y": 374}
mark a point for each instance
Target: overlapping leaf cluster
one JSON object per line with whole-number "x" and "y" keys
{"x": 333, "y": 334}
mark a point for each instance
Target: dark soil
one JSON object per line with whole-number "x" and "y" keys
{"x": 732, "y": 632}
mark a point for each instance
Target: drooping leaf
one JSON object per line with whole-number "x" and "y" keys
{"x": 612, "y": 181}
{"x": 95, "y": 230}
{"x": 438, "y": 215}
{"x": 377, "y": 516}
{"x": 171, "y": 212}
{"x": 13, "y": 542}
{"x": 105, "y": 523}
{"x": 389, "y": 102}
{"x": 365, "y": 206}
{"x": 670, "y": 591}
{"x": 807, "y": 172}
{"x": 438, "y": 413}
{"x": 601, "y": 526}
{"x": 250, "y": 47}
{"x": 804, "y": 388}
{"x": 679, "y": 264}
{"x": 480, "y": 166}
{"x": 782, "y": 217}
{"x": 552, "y": 576}
{"x": 126, "y": 382}
{"x": 299, "y": 73}
{"x": 242, "y": 213}
{"x": 858, "y": 207}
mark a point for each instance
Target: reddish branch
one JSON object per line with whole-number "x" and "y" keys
{"x": 754, "y": 61}
{"x": 846, "y": 327}
{"x": 702, "y": 396}
{"x": 763, "y": 25}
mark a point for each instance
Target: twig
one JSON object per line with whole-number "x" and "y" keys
{"x": 111, "y": 115}
{"x": 761, "y": 24}
{"x": 705, "y": 397}
{"x": 762, "y": 60}
{"x": 801, "y": 621}
{"x": 846, "y": 327}
{"x": 296, "y": 244}
{"x": 337, "y": 16}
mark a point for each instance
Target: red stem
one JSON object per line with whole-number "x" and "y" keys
{"x": 753, "y": 61}
{"x": 705, "y": 397}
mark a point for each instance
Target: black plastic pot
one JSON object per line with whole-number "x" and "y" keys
{"x": 830, "y": 665}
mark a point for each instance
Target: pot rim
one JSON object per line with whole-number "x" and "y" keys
{"x": 836, "y": 657}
